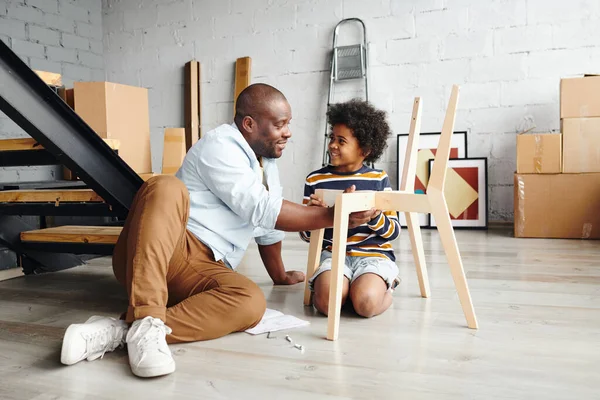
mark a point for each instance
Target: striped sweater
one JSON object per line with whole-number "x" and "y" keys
{"x": 372, "y": 239}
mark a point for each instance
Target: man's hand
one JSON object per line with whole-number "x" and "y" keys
{"x": 291, "y": 278}
{"x": 360, "y": 217}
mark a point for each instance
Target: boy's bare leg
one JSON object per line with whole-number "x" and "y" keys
{"x": 321, "y": 289}
{"x": 369, "y": 295}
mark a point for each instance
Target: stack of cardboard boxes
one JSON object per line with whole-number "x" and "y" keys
{"x": 557, "y": 184}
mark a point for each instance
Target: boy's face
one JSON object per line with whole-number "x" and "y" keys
{"x": 344, "y": 152}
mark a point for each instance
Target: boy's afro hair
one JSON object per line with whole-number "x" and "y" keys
{"x": 368, "y": 124}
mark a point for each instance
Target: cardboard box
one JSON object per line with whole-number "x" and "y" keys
{"x": 120, "y": 112}
{"x": 557, "y": 206}
{"x": 581, "y": 145}
{"x": 173, "y": 150}
{"x": 580, "y": 97}
{"x": 539, "y": 153}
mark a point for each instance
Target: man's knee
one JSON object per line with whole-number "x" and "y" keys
{"x": 165, "y": 184}
{"x": 252, "y": 304}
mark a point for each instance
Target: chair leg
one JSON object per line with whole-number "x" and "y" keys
{"x": 340, "y": 233}
{"x": 416, "y": 241}
{"x": 439, "y": 209}
{"x": 314, "y": 250}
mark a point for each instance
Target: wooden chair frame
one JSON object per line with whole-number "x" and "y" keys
{"x": 404, "y": 200}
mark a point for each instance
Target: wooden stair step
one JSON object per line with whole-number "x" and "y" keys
{"x": 74, "y": 234}
{"x": 49, "y": 196}
{"x": 24, "y": 144}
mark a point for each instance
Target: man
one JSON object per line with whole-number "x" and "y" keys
{"x": 185, "y": 235}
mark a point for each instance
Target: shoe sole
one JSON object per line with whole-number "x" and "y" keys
{"x": 64, "y": 356}
{"x": 152, "y": 372}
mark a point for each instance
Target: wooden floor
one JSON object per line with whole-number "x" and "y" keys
{"x": 537, "y": 301}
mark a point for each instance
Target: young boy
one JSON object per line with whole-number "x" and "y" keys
{"x": 358, "y": 136}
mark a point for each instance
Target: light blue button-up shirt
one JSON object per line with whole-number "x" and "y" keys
{"x": 229, "y": 205}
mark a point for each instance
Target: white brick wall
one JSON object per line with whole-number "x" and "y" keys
{"x": 51, "y": 35}
{"x": 507, "y": 55}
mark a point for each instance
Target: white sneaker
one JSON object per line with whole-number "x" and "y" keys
{"x": 149, "y": 354}
{"x": 92, "y": 339}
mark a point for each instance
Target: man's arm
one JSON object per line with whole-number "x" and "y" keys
{"x": 271, "y": 257}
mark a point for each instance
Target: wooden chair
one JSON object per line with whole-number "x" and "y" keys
{"x": 404, "y": 200}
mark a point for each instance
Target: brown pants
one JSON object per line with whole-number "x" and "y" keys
{"x": 171, "y": 275}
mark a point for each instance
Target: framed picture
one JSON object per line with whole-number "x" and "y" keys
{"x": 428, "y": 143}
{"x": 466, "y": 193}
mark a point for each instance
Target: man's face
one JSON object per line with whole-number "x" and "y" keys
{"x": 271, "y": 130}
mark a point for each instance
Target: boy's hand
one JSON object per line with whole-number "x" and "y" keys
{"x": 315, "y": 201}
{"x": 360, "y": 217}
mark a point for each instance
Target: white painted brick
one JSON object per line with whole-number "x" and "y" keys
{"x": 394, "y": 78}
{"x": 531, "y": 91}
{"x": 45, "y": 65}
{"x": 501, "y": 203}
{"x": 400, "y": 7}
{"x": 25, "y": 13}
{"x": 44, "y": 36}
{"x": 213, "y": 8}
{"x": 88, "y": 30}
{"x": 392, "y": 27}
{"x": 520, "y": 39}
{"x": 559, "y": 63}
{"x": 502, "y": 67}
{"x": 70, "y": 10}
{"x": 275, "y": 18}
{"x": 366, "y": 9}
{"x": 415, "y": 50}
{"x": 276, "y": 64}
{"x": 197, "y": 31}
{"x": 246, "y": 46}
{"x": 96, "y": 46}
{"x": 571, "y": 35}
{"x": 545, "y": 117}
{"x": 497, "y": 14}
{"x": 98, "y": 75}
{"x": 479, "y": 95}
{"x": 113, "y": 22}
{"x": 474, "y": 44}
{"x": 50, "y": 6}
{"x": 27, "y": 49}
{"x": 553, "y": 11}
{"x": 12, "y": 28}
{"x": 504, "y": 145}
{"x": 442, "y": 23}
{"x": 233, "y": 25}
{"x": 225, "y": 112}
{"x": 59, "y": 22}
{"x": 497, "y": 120}
{"x": 121, "y": 41}
{"x": 141, "y": 18}
{"x": 307, "y": 60}
{"x": 96, "y": 18}
{"x": 159, "y": 36}
{"x": 305, "y": 37}
{"x": 3, "y": 9}
{"x": 176, "y": 55}
{"x": 242, "y": 7}
{"x": 215, "y": 48}
{"x": 444, "y": 72}
{"x": 77, "y": 72}
{"x": 502, "y": 170}
{"x": 90, "y": 59}
{"x": 75, "y": 42}
{"x": 6, "y": 40}
{"x": 128, "y": 76}
{"x": 61, "y": 54}
{"x": 178, "y": 11}
{"x": 136, "y": 61}
{"x": 479, "y": 145}
{"x": 320, "y": 12}
{"x": 218, "y": 91}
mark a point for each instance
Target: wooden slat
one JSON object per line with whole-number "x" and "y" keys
{"x": 73, "y": 195}
{"x": 50, "y": 78}
{"x": 192, "y": 103}
{"x": 74, "y": 234}
{"x": 23, "y": 144}
{"x": 243, "y": 73}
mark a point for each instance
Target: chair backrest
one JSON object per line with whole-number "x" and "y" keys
{"x": 440, "y": 163}
{"x": 409, "y": 171}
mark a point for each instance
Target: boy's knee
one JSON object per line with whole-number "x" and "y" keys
{"x": 321, "y": 301}
{"x": 366, "y": 303}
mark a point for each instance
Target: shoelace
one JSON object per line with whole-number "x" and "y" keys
{"x": 102, "y": 341}
{"x": 154, "y": 332}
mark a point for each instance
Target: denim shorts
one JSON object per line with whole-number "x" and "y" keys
{"x": 357, "y": 266}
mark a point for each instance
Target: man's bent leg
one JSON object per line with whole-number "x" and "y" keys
{"x": 212, "y": 300}
{"x": 153, "y": 233}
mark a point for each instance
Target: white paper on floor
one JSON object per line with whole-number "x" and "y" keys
{"x": 274, "y": 320}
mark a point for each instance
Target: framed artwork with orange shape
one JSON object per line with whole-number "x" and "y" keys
{"x": 466, "y": 192}
{"x": 428, "y": 143}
